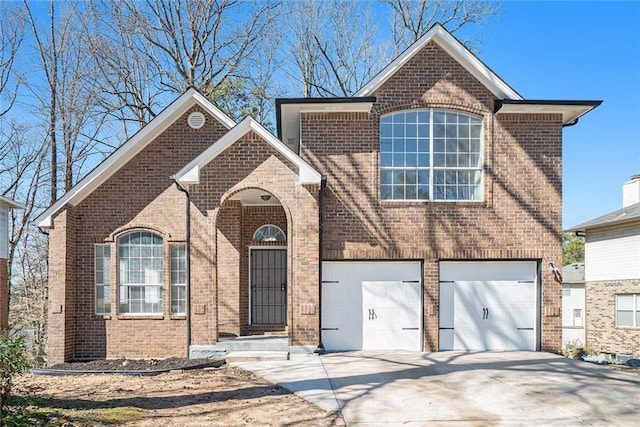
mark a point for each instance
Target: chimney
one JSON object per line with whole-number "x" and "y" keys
{"x": 631, "y": 191}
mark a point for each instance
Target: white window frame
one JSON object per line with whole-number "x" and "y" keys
{"x": 477, "y": 188}
{"x": 178, "y": 278}
{"x": 102, "y": 278}
{"x": 153, "y": 291}
{"x": 635, "y": 310}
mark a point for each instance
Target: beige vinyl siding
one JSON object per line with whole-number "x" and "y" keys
{"x": 613, "y": 254}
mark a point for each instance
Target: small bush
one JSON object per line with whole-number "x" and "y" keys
{"x": 13, "y": 361}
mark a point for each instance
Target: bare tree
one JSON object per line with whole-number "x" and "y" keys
{"x": 22, "y": 162}
{"x": 11, "y": 37}
{"x": 128, "y": 91}
{"x": 412, "y": 18}
{"x": 304, "y": 24}
{"x": 47, "y": 48}
{"x": 333, "y": 47}
{"x": 199, "y": 44}
{"x": 336, "y": 45}
{"x": 74, "y": 123}
{"x": 29, "y": 295}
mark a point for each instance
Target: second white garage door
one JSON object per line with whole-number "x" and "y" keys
{"x": 488, "y": 305}
{"x": 372, "y": 305}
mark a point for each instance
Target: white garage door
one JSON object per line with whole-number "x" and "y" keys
{"x": 488, "y": 305}
{"x": 372, "y": 305}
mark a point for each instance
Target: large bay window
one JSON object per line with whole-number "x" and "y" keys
{"x": 140, "y": 256}
{"x": 430, "y": 154}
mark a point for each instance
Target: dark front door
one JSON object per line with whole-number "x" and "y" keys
{"x": 268, "y": 286}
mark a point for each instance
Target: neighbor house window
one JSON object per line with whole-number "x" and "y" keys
{"x": 628, "y": 310}
{"x": 577, "y": 317}
{"x": 103, "y": 279}
{"x": 178, "y": 279}
{"x": 269, "y": 233}
{"x": 430, "y": 155}
{"x": 140, "y": 273}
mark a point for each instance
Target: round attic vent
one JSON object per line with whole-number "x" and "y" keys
{"x": 196, "y": 120}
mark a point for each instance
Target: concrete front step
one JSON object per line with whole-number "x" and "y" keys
{"x": 256, "y": 343}
{"x": 253, "y": 343}
{"x": 256, "y": 356}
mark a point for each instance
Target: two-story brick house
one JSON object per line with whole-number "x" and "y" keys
{"x": 418, "y": 214}
{"x": 612, "y": 275}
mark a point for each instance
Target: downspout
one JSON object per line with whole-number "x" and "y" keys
{"x": 323, "y": 185}
{"x": 188, "y": 266}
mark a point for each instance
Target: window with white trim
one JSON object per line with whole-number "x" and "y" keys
{"x": 269, "y": 233}
{"x": 628, "y": 310}
{"x": 102, "y": 266}
{"x": 428, "y": 154}
{"x": 178, "y": 273}
{"x": 140, "y": 256}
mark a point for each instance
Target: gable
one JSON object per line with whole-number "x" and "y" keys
{"x": 434, "y": 77}
{"x": 131, "y": 148}
{"x": 190, "y": 174}
{"x": 439, "y": 35}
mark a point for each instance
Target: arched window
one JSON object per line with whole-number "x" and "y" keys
{"x": 430, "y": 154}
{"x": 140, "y": 278}
{"x": 269, "y": 233}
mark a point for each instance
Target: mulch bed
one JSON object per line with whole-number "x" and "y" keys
{"x": 173, "y": 363}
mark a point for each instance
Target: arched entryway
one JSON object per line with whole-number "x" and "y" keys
{"x": 252, "y": 257}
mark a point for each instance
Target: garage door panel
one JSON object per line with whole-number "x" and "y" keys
{"x": 386, "y": 298}
{"x": 342, "y": 339}
{"x": 488, "y": 271}
{"x": 447, "y": 300}
{"x": 486, "y": 313}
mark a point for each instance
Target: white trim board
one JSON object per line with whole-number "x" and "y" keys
{"x": 129, "y": 149}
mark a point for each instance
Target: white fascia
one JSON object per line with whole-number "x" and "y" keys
{"x": 457, "y": 51}
{"x": 129, "y": 149}
{"x": 190, "y": 174}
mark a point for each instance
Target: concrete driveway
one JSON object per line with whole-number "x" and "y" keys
{"x": 486, "y": 388}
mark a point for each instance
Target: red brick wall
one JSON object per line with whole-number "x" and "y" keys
{"x": 253, "y": 217}
{"x": 62, "y": 278}
{"x": 518, "y": 218}
{"x": 140, "y": 196}
{"x": 252, "y": 164}
{"x": 601, "y": 331}
{"x": 229, "y": 268}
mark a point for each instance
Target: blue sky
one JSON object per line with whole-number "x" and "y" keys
{"x": 584, "y": 51}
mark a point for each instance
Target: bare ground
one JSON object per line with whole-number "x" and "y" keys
{"x": 225, "y": 396}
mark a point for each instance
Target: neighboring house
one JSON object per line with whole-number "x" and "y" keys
{"x": 612, "y": 275}
{"x": 415, "y": 215}
{"x": 573, "y": 305}
{"x": 5, "y": 206}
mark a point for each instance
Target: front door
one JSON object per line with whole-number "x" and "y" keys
{"x": 268, "y": 282}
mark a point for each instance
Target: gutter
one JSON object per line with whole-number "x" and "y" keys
{"x": 188, "y": 256}
{"x": 323, "y": 185}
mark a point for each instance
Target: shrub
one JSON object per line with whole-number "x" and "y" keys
{"x": 13, "y": 361}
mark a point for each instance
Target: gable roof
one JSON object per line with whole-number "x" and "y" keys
{"x": 129, "y": 149}
{"x": 573, "y": 273}
{"x": 620, "y": 216}
{"x": 190, "y": 174}
{"x": 438, "y": 34}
